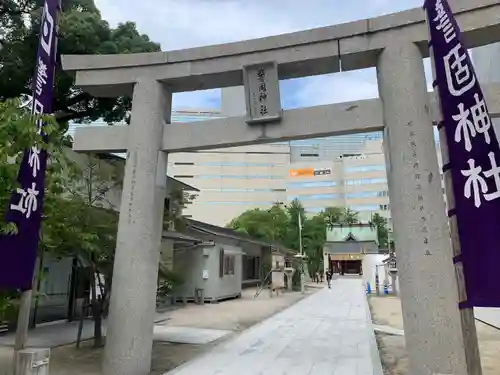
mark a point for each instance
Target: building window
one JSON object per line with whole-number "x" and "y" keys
{"x": 366, "y": 181}
{"x": 310, "y": 155}
{"x": 365, "y": 168}
{"x": 229, "y": 263}
{"x": 308, "y": 184}
{"x": 236, "y": 164}
{"x": 243, "y": 177}
{"x": 384, "y": 207}
{"x": 183, "y": 176}
{"x": 368, "y": 194}
{"x": 365, "y": 207}
{"x": 183, "y": 163}
{"x": 312, "y": 197}
{"x": 251, "y": 203}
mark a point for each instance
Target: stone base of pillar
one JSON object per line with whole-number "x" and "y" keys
{"x": 33, "y": 361}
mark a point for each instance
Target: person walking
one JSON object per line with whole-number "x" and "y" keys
{"x": 329, "y": 278}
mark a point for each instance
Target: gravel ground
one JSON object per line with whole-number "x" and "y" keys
{"x": 387, "y": 311}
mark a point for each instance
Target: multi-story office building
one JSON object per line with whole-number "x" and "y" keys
{"x": 345, "y": 171}
{"x": 233, "y": 180}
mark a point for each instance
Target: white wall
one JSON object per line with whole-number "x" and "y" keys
{"x": 191, "y": 263}
{"x": 369, "y": 263}
{"x": 228, "y": 285}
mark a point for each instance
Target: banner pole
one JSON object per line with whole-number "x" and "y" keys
{"x": 23, "y": 318}
{"x": 468, "y": 325}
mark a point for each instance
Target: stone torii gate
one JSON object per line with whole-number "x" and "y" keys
{"x": 395, "y": 44}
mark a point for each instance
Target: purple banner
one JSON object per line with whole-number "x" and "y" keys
{"x": 474, "y": 156}
{"x": 18, "y": 252}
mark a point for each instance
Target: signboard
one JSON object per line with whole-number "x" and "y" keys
{"x": 304, "y": 172}
{"x": 262, "y": 93}
{"x": 322, "y": 172}
{"x": 309, "y": 172}
{"x": 474, "y": 158}
{"x": 18, "y": 251}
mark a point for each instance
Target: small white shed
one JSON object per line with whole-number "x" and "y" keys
{"x": 214, "y": 269}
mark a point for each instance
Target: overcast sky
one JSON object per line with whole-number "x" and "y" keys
{"x": 178, "y": 24}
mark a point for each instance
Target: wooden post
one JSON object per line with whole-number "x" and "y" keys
{"x": 471, "y": 346}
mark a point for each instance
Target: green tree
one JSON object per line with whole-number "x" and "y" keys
{"x": 174, "y": 206}
{"x": 17, "y": 134}
{"x": 82, "y": 31}
{"x": 380, "y": 223}
{"x": 75, "y": 220}
{"x": 296, "y": 214}
{"x": 270, "y": 225}
{"x": 85, "y": 225}
{"x": 332, "y": 215}
{"x": 349, "y": 216}
{"x": 314, "y": 238}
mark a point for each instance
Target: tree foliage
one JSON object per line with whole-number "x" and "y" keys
{"x": 268, "y": 224}
{"x": 380, "y": 223}
{"x": 18, "y": 133}
{"x": 174, "y": 206}
{"x": 75, "y": 222}
{"x": 82, "y": 31}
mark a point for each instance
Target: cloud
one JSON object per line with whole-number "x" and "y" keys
{"x": 179, "y": 24}
{"x": 206, "y": 99}
{"x": 332, "y": 88}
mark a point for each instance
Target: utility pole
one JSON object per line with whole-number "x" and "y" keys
{"x": 302, "y": 286}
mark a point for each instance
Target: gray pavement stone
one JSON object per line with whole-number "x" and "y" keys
{"x": 63, "y": 333}
{"x": 188, "y": 335}
{"x": 328, "y": 333}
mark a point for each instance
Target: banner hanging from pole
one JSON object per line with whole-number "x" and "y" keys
{"x": 18, "y": 251}
{"x": 474, "y": 157}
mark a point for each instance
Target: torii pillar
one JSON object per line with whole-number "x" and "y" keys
{"x": 429, "y": 293}
{"x": 129, "y": 336}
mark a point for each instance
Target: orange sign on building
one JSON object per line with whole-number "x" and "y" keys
{"x": 304, "y": 172}
{"x": 308, "y": 172}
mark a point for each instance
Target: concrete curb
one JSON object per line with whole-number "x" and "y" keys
{"x": 375, "y": 354}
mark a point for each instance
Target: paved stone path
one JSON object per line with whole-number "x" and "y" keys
{"x": 329, "y": 332}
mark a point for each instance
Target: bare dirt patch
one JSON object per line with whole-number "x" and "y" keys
{"x": 235, "y": 315}
{"x": 387, "y": 311}
{"x": 87, "y": 361}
